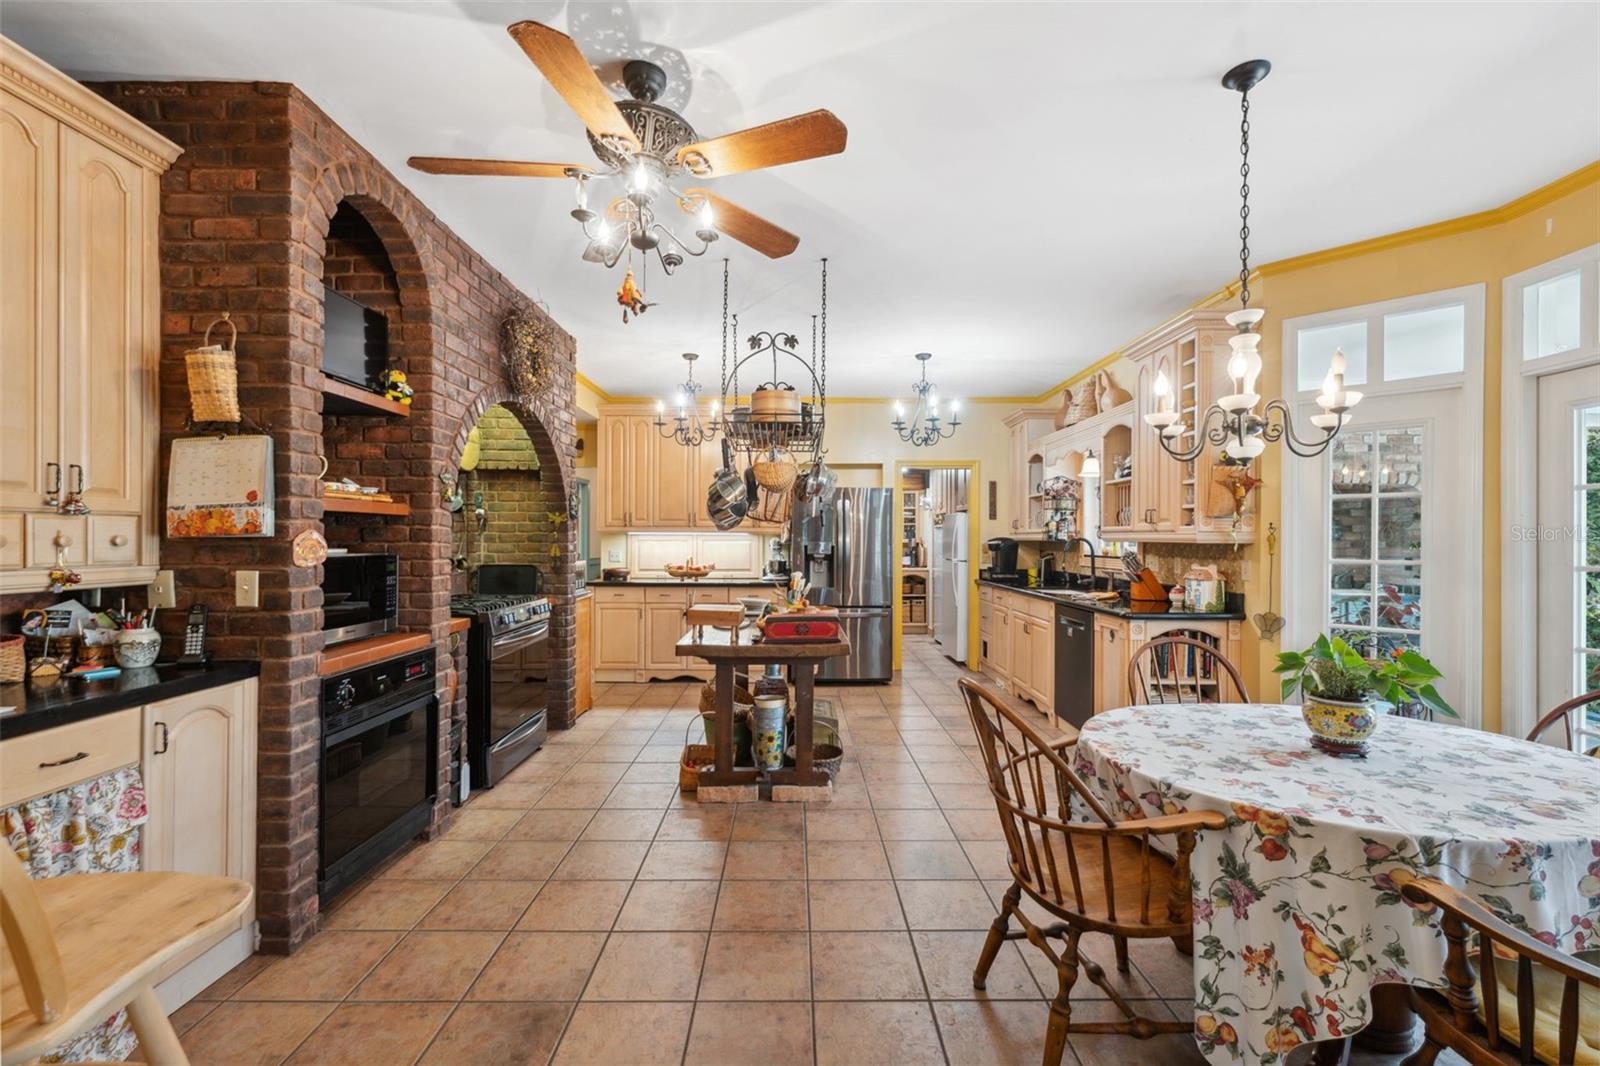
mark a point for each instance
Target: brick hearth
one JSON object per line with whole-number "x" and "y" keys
{"x": 270, "y": 198}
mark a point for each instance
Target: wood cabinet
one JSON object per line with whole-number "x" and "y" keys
{"x": 1018, "y": 648}
{"x": 79, "y": 327}
{"x": 1026, "y": 427}
{"x": 618, "y": 632}
{"x": 647, "y": 481}
{"x": 583, "y": 658}
{"x": 636, "y": 628}
{"x": 1110, "y": 663}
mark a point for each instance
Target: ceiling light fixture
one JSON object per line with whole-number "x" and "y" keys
{"x": 1241, "y": 433}
{"x": 688, "y": 427}
{"x": 924, "y": 429}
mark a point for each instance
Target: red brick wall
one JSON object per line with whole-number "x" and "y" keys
{"x": 248, "y": 226}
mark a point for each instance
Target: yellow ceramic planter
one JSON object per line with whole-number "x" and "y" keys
{"x": 1339, "y": 727}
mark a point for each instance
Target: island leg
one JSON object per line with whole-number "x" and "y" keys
{"x": 724, "y": 727}
{"x": 804, "y": 675}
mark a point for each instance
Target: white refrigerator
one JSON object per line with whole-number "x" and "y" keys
{"x": 950, "y": 585}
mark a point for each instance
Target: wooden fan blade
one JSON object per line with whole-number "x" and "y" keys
{"x": 745, "y": 227}
{"x": 559, "y": 60}
{"x": 509, "y": 168}
{"x": 788, "y": 140}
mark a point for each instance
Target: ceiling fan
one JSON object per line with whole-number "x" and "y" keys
{"x": 648, "y": 148}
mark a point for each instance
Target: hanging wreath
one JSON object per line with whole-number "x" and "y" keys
{"x": 526, "y": 341}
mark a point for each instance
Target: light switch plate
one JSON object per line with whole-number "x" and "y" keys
{"x": 247, "y": 588}
{"x": 613, "y": 556}
{"x": 163, "y": 591}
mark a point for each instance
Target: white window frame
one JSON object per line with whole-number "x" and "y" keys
{"x": 1302, "y": 552}
{"x": 1519, "y": 497}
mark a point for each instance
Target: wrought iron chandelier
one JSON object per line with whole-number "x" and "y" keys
{"x": 627, "y": 221}
{"x": 1241, "y": 432}
{"x": 688, "y": 427}
{"x": 924, "y": 430}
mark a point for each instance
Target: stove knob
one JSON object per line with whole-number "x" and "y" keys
{"x": 345, "y": 694}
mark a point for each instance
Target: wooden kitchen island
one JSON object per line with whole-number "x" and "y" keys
{"x": 731, "y": 650}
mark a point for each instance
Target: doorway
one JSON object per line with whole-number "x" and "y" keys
{"x": 945, "y": 521}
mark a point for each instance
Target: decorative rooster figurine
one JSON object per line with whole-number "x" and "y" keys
{"x": 631, "y": 298}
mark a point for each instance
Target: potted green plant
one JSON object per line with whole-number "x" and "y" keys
{"x": 1340, "y": 690}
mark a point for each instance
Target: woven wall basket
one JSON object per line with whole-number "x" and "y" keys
{"x": 214, "y": 376}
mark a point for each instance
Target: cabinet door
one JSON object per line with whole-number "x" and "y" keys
{"x": 107, "y": 379}
{"x": 707, "y": 461}
{"x": 616, "y": 489}
{"x": 731, "y": 553}
{"x": 1041, "y": 653}
{"x": 618, "y": 636}
{"x": 583, "y": 656}
{"x": 1019, "y": 478}
{"x": 663, "y": 626}
{"x": 1000, "y": 648}
{"x": 672, "y": 474}
{"x": 200, "y": 782}
{"x": 1110, "y": 664}
{"x": 29, "y": 350}
{"x": 642, "y": 438}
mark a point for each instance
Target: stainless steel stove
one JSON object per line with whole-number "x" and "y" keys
{"x": 508, "y": 674}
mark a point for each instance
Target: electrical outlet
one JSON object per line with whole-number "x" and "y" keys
{"x": 613, "y": 556}
{"x": 163, "y": 592}
{"x": 247, "y": 588}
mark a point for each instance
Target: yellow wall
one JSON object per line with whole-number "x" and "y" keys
{"x": 1484, "y": 249}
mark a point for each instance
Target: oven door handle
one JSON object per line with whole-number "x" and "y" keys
{"x": 515, "y": 641}
{"x": 368, "y": 724}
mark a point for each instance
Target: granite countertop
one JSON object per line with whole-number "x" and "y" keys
{"x": 37, "y": 707}
{"x": 705, "y": 582}
{"x": 1123, "y": 609}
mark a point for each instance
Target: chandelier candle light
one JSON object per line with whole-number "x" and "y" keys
{"x": 924, "y": 429}
{"x": 688, "y": 428}
{"x": 1241, "y": 432}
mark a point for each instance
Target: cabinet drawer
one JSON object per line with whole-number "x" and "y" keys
{"x": 675, "y": 596}
{"x": 44, "y": 529}
{"x": 710, "y": 595}
{"x": 42, "y": 762}
{"x": 621, "y": 595}
{"x": 13, "y": 541}
{"x": 113, "y": 539}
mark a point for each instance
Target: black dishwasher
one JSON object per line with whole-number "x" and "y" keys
{"x": 1074, "y": 664}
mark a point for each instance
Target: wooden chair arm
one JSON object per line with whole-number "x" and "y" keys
{"x": 1484, "y": 921}
{"x": 1161, "y": 825}
{"x": 1063, "y": 742}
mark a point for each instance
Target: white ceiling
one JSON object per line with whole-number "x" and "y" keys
{"x": 1027, "y": 186}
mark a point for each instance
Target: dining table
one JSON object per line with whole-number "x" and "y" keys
{"x": 1298, "y": 915}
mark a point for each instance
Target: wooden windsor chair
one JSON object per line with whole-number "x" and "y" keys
{"x": 1099, "y": 875}
{"x": 1523, "y": 1002}
{"x": 1178, "y": 669}
{"x": 1563, "y": 715}
{"x": 82, "y": 946}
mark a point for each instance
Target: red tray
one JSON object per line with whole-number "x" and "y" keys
{"x": 812, "y": 627}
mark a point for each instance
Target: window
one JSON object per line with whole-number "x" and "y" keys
{"x": 1410, "y": 340}
{"x": 1552, "y": 315}
{"x": 1586, "y": 572}
{"x": 1419, "y": 344}
{"x": 1316, "y": 347}
{"x": 1375, "y": 595}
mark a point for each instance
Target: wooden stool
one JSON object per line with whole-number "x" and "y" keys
{"x": 80, "y": 947}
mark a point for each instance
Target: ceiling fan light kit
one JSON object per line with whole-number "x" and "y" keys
{"x": 1241, "y": 432}
{"x": 645, "y": 149}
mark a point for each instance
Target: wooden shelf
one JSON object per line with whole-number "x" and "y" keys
{"x": 342, "y": 657}
{"x": 396, "y": 508}
{"x": 342, "y": 398}
{"x": 1117, "y": 480}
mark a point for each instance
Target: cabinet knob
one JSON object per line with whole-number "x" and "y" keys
{"x": 61, "y": 540}
{"x": 118, "y": 540}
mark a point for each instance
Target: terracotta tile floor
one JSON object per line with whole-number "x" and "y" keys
{"x": 585, "y": 912}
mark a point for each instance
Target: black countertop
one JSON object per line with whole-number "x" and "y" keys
{"x": 705, "y": 582}
{"x": 49, "y": 705}
{"x": 1124, "y": 609}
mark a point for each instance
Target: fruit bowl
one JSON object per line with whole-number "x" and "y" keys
{"x": 689, "y": 571}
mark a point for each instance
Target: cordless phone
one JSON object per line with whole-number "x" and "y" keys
{"x": 194, "y": 638}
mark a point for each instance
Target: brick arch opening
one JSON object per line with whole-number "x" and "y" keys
{"x": 530, "y": 529}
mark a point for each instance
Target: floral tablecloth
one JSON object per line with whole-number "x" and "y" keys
{"x": 1297, "y": 905}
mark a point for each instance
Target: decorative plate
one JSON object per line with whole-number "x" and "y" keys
{"x": 310, "y": 548}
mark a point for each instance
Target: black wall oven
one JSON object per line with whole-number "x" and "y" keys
{"x": 379, "y": 773}
{"x": 360, "y": 595}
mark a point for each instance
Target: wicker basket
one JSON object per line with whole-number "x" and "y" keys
{"x": 825, "y": 757}
{"x": 694, "y": 757}
{"x": 775, "y": 470}
{"x": 214, "y": 377}
{"x": 743, "y": 702}
{"x": 13, "y": 660}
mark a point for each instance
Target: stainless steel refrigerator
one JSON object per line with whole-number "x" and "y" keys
{"x": 845, "y": 548}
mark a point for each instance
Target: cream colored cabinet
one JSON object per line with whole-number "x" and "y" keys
{"x": 618, "y": 632}
{"x": 79, "y": 327}
{"x": 1026, "y": 427}
{"x": 647, "y": 481}
{"x": 672, "y": 472}
{"x": 1110, "y": 663}
{"x": 1000, "y": 648}
{"x": 199, "y": 765}
{"x": 583, "y": 658}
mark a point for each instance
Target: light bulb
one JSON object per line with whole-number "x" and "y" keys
{"x": 955, "y": 405}
{"x": 1330, "y": 387}
{"x": 660, "y": 407}
{"x": 583, "y": 194}
{"x": 1236, "y": 368}
{"x": 707, "y": 216}
{"x": 1337, "y": 366}
{"x": 715, "y": 406}
{"x": 641, "y": 178}
{"x": 898, "y": 409}
{"x": 603, "y": 234}
{"x": 1091, "y": 467}
{"x": 1163, "y": 387}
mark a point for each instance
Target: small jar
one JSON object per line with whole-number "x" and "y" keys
{"x": 137, "y": 648}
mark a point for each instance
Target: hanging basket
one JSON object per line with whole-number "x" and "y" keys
{"x": 214, "y": 376}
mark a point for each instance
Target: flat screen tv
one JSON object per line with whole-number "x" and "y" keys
{"x": 355, "y": 341}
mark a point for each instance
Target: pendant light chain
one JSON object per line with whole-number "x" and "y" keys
{"x": 822, "y": 387}
{"x": 724, "y": 379}
{"x": 1244, "y": 198}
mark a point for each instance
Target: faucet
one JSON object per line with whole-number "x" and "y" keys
{"x": 1066, "y": 546}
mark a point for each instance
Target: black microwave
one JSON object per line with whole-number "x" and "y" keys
{"x": 360, "y": 595}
